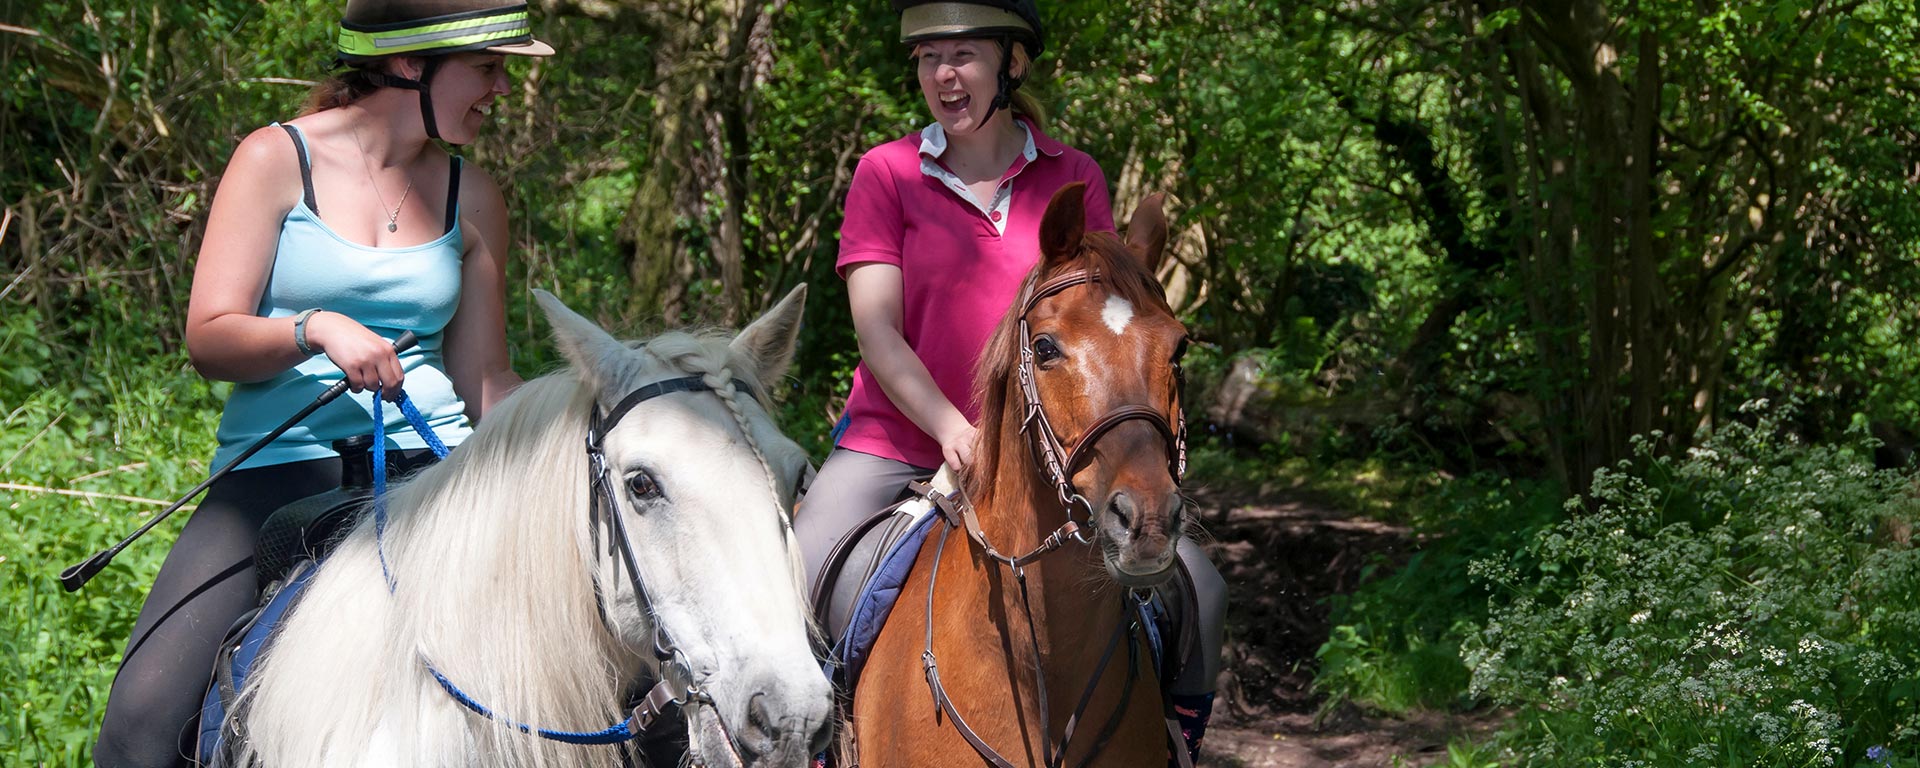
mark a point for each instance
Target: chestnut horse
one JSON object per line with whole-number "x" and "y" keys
{"x": 1025, "y": 635}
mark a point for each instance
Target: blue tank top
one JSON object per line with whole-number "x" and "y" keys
{"x": 388, "y": 290}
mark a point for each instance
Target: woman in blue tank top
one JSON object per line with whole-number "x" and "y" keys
{"x": 330, "y": 236}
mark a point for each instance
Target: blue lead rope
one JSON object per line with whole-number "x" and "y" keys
{"x": 420, "y": 426}
{"x": 614, "y": 734}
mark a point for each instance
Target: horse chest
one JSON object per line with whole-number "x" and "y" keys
{"x": 990, "y": 658}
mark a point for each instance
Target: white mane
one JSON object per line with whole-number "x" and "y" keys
{"x": 494, "y": 569}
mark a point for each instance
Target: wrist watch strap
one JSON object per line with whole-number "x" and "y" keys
{"x": 300, "y": 331}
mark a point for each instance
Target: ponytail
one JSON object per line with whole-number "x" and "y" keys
{"x": 339, "y": 90}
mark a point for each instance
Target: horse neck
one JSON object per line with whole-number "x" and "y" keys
{"x": 1075, "y": 605}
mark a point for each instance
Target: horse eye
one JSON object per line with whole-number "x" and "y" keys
{"x": 1180, "y": 351}
{"x": 1046, "y": 350}
{"x": 641, "y": 485}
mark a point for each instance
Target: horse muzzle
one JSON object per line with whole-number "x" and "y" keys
{"x": 1137, "y": 535}
{"x": 782, "y": 724}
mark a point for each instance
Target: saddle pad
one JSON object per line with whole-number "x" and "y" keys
{"x": 236, "y": 658}
{"x": 875, "y": 603}
{"x": 1163, "y": 616}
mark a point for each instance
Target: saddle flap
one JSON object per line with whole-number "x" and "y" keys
{"x": 862, "y": 576}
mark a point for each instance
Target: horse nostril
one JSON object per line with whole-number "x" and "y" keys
{"x": 1120, "y": 506}
{"x": 757, "y": 737}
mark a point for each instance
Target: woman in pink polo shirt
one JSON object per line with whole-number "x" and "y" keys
{"x": 941, "y": 227}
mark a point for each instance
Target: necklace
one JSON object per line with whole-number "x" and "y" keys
{"x": 393, "y": 218}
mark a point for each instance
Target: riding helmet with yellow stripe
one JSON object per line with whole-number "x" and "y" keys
{"x": 373, "y": 30}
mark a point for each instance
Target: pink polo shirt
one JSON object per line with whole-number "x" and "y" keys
{"x": 961, "y": 264}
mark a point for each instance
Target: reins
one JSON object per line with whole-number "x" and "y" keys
{"x": 1058, "y": 463}
{"x": 960, "y": 514}
{"x": 675, "y": 685}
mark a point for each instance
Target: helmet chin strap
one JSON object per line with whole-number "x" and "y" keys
{"x": 419, "y": 86}
{"x": 1003, "y": 97}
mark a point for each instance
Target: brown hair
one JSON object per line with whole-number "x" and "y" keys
{"x": 339, "y": 90}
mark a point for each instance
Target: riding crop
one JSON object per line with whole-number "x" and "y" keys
{"x": 77, "y": 575}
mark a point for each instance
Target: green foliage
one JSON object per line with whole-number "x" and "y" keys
{"x": 1395, "y": 642}
{"x": 66, "y": 453}
{"x": 1748, "y": 603}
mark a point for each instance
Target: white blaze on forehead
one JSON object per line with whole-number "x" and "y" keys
{"x": 1118, "y": 313}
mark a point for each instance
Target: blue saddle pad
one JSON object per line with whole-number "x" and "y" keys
{"x": 238, "y": 658}
{"x": 875, "y": 603}
{"x": 878, "y": 596}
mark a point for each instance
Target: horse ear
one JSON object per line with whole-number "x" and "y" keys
{"x": 584, "y": 344}
{"x": 1065, "y": 223}
{"x": 769, "y": 342}
{"x": 1147, "y": 230}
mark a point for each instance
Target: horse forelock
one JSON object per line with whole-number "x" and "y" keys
{"x": 996, "y": 388}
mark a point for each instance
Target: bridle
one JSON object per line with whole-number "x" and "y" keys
{"x": 676, "y": 684}
{"x": 958, "y": 512}
{"x": 1059, "y": 462}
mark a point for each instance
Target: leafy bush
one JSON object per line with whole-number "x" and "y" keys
{"x": 76, "y": 460}
{"x": 1748, "y": 603}
{"x": 1394, "y": 644}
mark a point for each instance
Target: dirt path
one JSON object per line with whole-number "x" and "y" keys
{"x": 1282, "y": 558}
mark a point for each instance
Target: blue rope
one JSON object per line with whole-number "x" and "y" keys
{"x": 419, "y": 424}
{"x": 614, "y": 734}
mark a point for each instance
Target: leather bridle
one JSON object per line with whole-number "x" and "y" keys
{"x": 676, "y": 685}
{"x": 1059, "y": 462}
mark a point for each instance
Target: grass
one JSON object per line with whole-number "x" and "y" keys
{"x": 66, "y": 452}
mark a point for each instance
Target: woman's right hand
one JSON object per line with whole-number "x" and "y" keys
{"x": 956, "y": 445}
{"x": 368, "y": 360}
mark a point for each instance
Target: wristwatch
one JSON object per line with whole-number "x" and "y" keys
{"x": 300, "y": 331}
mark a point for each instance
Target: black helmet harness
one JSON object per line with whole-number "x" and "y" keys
{"x": 1003, "y": 97}
{"x": 429, "y": 65}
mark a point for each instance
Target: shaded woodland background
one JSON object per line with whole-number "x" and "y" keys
{"x": 1487, "y": 250}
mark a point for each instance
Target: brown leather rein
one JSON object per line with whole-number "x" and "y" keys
{"x": 957, "y": 512}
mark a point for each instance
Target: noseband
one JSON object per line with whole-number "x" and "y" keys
{"x": 1059, "y": 462}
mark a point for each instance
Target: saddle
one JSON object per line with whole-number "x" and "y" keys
{"x": 863, "y": 574}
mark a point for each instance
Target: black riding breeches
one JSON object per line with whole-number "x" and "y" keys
{"x": 206, "y": 583}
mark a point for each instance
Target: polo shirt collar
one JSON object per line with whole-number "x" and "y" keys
{"x": 933, "y": 141}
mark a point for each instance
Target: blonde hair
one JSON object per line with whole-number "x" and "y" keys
{"x": 1024, "y": 102}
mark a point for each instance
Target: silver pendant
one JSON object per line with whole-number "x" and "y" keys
{"x": 393, "y": 227}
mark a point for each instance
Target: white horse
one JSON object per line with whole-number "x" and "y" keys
{"x": 504, "y": 584}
